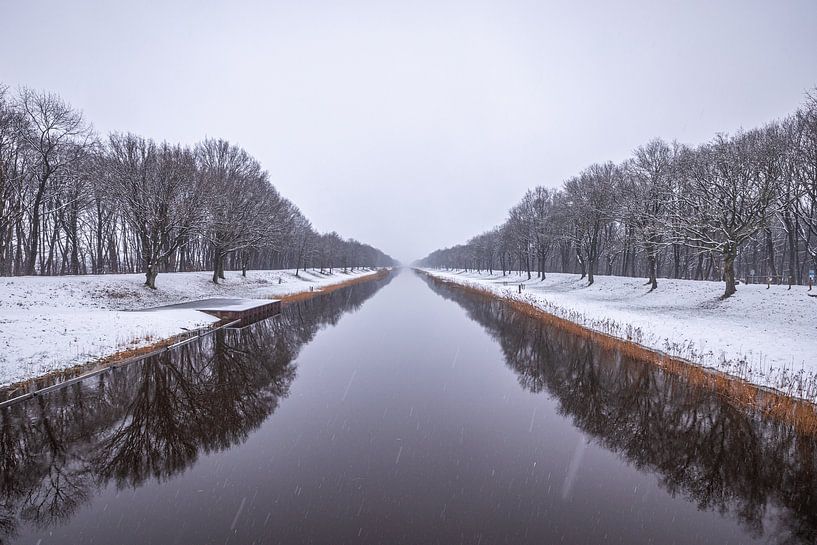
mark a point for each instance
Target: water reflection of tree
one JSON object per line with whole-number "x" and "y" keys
{"x": 152, "y": 420}
{"x": 724, "y": 457}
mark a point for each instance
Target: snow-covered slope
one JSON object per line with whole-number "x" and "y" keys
{"x": 49, "y": 323}
{"x": 766, "y": 336}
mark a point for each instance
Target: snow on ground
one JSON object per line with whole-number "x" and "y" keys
{"x": 766, "y": 336}
{"x": 49, "y": 323}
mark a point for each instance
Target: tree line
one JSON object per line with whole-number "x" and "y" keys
{"x": 738, "y": 206}
{"x": 74, "y": 203}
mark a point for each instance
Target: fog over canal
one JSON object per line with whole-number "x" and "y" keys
{"x": 398, "y": 411}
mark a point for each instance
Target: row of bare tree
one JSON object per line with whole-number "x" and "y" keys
{"x": 737, "y": 206}
{"x": 72, "y": 203}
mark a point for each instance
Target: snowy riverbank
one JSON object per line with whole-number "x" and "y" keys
{"x": 50, "y": 323}
{"x": 766, "y": 336}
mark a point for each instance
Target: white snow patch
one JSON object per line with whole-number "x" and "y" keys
{"x": 49, "y": 323}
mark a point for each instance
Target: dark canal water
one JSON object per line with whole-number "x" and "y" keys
{"x": 398, "y": 411}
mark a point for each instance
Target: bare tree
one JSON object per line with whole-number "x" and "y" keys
{"x": 545, "y": 231}
{"x": 591, "y": 197}
{"x": 13, "y": 163}
{"x": 303, "y": 238}
{"x": 57, "y": 136}
{"x": 238, "y": 201}
{"x": 729, "y": 197}
{"x": 647, "y": 192}
{"x": 158, "y": 193}
{"x": 804, "y": 171}
{"x": 520, "y": 232}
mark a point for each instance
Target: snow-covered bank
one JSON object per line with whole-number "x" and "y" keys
{"x": 50, "y": 323}
{"x": 765, "y": 336}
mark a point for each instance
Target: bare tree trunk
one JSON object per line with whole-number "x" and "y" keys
{"x": 150, "y": 276}
{"x": 98, "y": 263}
{"x": 770, "y": 253}
{"x": 729, "y": 272}
{"x": 217, "y": 266}
{"x": 676, "y": 257}
{"x": 625, "y": 257}
{"x": 651, "y": 268}
{"x": 18, "y": 253}
{"x": 34, "y": 241}
{"x": 793, "y": 269}
{"x": 592, "y": 260}
{"x": 74, "y": 239}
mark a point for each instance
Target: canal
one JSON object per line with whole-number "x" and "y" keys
{"x": 398, "y": 411}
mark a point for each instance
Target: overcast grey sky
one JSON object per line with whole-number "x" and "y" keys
{"x": 414, "y": 125}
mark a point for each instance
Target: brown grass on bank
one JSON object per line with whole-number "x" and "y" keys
{"x": 305, "y": 295}
{"x": 800, "y": 413}
{"x": 61, "y": 375}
